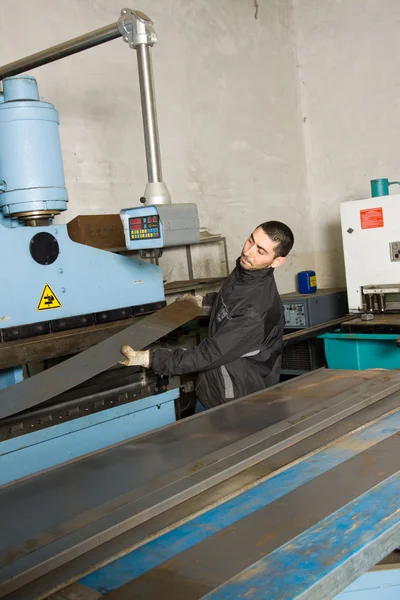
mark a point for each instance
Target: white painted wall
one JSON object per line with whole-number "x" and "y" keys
{"x": 229, "y": 118}
{"x": 349, "y": 64}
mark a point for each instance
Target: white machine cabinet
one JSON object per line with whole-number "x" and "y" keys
{"x": 371, "y": 243}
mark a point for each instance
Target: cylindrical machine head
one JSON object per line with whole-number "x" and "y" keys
{"x": 31, "y": 169}
{"x": 22, "y": 87}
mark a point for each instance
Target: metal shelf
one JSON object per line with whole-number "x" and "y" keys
{"x": 192, "y": 284}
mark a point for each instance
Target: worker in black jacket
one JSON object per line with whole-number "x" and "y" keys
{"x": 243, "y": 351}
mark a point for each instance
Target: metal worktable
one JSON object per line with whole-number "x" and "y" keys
{"x": 288, "y": 493}
{"x": 383, "y": 323}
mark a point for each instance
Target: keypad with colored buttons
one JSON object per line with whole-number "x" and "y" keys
{"x": 143, "y": 228}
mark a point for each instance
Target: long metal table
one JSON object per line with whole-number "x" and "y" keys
{"x": 288, "y": 493}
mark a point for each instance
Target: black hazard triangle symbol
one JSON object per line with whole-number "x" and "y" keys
{"x": 48, "y": 299}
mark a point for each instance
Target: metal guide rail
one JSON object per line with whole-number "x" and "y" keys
{"x": 20, "y": 332}
{"x": 208, "y": 506}
{"x": 54, "y": 326}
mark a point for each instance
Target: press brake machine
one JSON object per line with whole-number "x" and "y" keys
{"x": 52, "y": 284}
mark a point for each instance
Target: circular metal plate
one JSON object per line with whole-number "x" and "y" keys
{"x": 44, "y": 248}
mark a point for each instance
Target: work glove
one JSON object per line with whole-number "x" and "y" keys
{"x": 198, "y": 300}
{"x": 135, "y": 358}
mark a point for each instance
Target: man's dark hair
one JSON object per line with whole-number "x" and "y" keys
{"x": 281, "y": 234}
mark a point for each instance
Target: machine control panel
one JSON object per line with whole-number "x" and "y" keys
{"x": 295, "y": 315}
{"x": 307, "y": 310}
{"x": 160, "y": 226}
{"x": 144, "y": 228}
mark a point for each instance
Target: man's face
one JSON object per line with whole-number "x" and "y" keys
{"x": 259, "y": 252}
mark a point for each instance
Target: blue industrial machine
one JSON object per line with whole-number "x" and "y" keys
{"x": 61, "y": 279}
{"x": 54, "y": 284}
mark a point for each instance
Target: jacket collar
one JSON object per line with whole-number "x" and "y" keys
{"x": 245, "y": 275}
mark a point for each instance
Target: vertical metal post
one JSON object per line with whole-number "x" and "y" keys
{"x": 189, "y": 262}
{"x": 151, "y": 138}
{"x": 137, "y": 30}
{"x": 226, "y": 256}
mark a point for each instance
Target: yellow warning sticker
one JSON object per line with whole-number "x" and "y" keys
{"x": 48, "y": 299}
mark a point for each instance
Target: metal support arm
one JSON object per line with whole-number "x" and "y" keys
{"x": 78, "y": 44}
{"x": 137, "y": 29}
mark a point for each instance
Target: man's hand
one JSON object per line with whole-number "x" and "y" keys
{"x": 198, "y": 300}
{"x": 135, "y": 358}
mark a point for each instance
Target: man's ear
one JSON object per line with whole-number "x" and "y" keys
{"x": 279, "y": 260}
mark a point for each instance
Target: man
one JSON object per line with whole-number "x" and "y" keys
{"x": 243, "y": 351}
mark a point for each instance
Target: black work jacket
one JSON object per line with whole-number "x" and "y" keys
{"x": 243, "y": 351}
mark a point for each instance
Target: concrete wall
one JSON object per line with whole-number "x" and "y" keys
{"x": 229, "y": 119}
{"x": 349, "y": 59}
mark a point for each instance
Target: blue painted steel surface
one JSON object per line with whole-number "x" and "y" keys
{"x": 31, "y": 167}
{"x": 361, "y": 351}
{"x": 84, "y": 279}
{"x": 156, "y": 552}
{"x": 43, "y": 449}
{"x": 10, "y": 376}
{"x": 308, "y": 559}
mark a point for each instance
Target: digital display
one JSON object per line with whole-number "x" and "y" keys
{"x": 144, "y": 228}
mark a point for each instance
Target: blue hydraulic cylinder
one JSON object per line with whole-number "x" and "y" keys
{"x": 31, "y": 167}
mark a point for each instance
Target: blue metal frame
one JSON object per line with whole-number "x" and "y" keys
{"x": 169, "y": 545}
{"x": 311, "y": 557}
{"x": 84, "y": 279}
{"x": 40, "y": 450}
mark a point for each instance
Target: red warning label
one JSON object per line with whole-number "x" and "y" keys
{"x": 371, "y": 218}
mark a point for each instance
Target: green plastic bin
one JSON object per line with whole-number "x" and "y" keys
{"x": 361, "y": 351}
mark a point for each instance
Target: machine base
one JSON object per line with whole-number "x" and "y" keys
{"x": 41, "y": 450}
